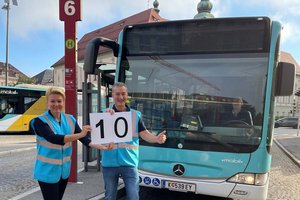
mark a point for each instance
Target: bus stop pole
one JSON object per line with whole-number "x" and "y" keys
{"x": 70, "y": 16}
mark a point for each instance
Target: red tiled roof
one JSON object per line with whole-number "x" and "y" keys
{"x": 112, "y": 31}
{"x": 12, "y": 70}
{"x": 287, "y": 57}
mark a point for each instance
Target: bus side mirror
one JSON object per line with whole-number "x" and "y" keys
{"x": 91, "y": 52}
{"x": 285, "y": 78}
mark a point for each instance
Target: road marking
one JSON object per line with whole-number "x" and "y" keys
{"x": 16, "y": 150}
{"x": 25, "y": 194}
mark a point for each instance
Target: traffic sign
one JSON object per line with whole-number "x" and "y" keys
{"x": 70, "y": 10}
{"x": 70, "y": 44}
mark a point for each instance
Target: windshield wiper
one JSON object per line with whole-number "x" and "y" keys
{"x": 206, "y": 134}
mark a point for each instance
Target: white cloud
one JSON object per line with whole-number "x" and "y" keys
{"x": 291, "y": 28}
{"x": 43, "y": 15}
{"x": 294, "y": 10}
{"x": 290, "y": 7}
{"x": 104, "y": 11}
{"x": 290, "y": 33}
{"x": 269, "y": 3}
{"x": 33, "y": 15}
{"x": 178, "y": 9}
{"x": 221, "y": 8}
{"x": 108, "y": 11}
{"x": 188, "y": 9}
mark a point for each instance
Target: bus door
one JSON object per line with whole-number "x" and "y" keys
{"x": 97, "y": 96}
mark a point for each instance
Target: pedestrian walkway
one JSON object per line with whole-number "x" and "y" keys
{"x": 90, "y": 186}
{"x": 290, "y": 144}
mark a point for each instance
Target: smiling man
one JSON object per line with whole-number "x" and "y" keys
{"x": 123, "y": 159}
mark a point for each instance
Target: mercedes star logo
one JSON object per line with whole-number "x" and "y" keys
{"x": 178, "y": 169}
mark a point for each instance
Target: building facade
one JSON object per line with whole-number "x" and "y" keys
{"x": 284, "y": 105}
{"x": 13, "y": 74}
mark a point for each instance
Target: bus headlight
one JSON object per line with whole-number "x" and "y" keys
{"x": 250, "y": 179}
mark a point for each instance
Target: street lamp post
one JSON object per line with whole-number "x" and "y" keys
{"x": 6, "y": 7}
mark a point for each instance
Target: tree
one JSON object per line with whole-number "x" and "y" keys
{"x": 24, "y": 79}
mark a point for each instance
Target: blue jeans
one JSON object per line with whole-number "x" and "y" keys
{"x": 130, "y": 178}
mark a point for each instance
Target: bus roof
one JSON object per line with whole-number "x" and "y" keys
{"x": 27, "y": 87}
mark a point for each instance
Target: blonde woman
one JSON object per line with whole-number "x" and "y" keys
{"x": 55, "y": 131}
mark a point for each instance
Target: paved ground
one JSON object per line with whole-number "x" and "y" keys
{"x": 90, "y": 187}
{"x": 9, "y": 142}
{"x": 284, "y": 181}
{"x": 284, "y": 177}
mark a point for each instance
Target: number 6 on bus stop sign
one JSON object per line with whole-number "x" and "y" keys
{"x": 108, "y": 128}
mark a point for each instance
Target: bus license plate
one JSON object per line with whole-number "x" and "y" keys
{"x": 173, "y": 185}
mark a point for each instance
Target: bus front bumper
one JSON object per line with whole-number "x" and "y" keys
{"x": 212, "y": 187}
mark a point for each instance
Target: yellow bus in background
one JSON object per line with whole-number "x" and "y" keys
{"x": 18, "y": 105}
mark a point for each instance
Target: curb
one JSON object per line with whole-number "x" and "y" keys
{"x": 291, "y": 156}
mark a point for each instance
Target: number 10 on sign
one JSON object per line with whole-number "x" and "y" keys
{"x": 108, "y": 128}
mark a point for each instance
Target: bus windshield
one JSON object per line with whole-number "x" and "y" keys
{"x": 208, "y": 102}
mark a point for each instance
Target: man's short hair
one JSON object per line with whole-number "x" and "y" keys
{"x": 237, "y": 100}
{"x": 119, "y": 84}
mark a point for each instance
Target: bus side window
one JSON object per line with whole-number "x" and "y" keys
{"x": 28, "y": 102}
{"x": 9, "y": 108}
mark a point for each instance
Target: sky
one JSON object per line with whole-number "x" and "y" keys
{"x": 36, "y": 35}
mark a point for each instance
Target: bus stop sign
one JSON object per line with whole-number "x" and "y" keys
{"x": 70, "y": 12}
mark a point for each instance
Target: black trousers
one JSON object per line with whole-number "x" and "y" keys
{"x": 53, "y": 191}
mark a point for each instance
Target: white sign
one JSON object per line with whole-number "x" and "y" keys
{"x": 108, "y": 128}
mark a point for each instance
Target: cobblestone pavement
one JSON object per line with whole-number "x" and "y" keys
{"x": 17, "y": 155}
{"x": 16, "y": 173}
{"x": 285, "y": 177}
